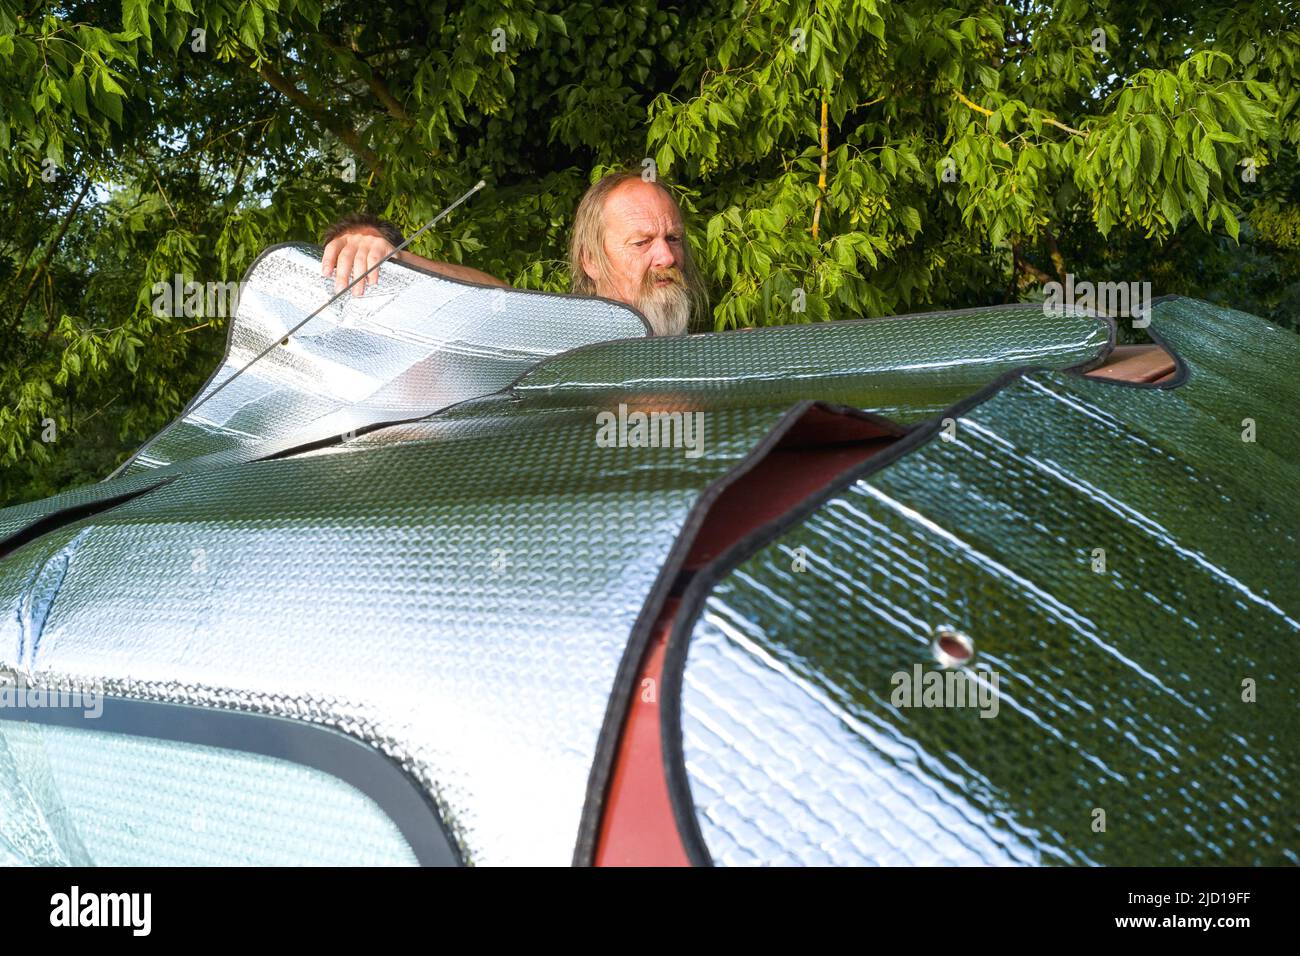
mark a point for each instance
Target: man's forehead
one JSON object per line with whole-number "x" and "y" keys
{"x": 640, "y": 206}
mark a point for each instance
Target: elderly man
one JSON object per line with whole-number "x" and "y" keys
{"x": 629, "y": 244}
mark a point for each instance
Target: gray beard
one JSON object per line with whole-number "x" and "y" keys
{"x": 668, "y": 309}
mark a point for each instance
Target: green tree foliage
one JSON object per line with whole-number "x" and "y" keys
{"x": 836, "y": 159}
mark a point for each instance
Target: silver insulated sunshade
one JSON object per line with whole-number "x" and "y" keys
{"x": 413, "y": 344}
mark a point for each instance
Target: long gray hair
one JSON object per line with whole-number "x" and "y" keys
{"x": 589, "y": 236}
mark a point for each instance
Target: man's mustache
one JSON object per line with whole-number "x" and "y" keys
{"x": 654, "y": 275}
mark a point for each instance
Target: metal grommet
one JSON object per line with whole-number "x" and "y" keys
{"x": 951, "y": 647}
{"x": 285, "y": 340}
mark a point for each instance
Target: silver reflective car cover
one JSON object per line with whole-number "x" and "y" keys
{"x": 460, "y": 600}
{"x": 1126, "y": 561}
{"x": 414, "y": 343}
{"x": 458, "y": 592}
{"x": 905, "y": 368}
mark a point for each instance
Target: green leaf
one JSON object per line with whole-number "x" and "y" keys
{"x": 889, "y": 160}
{"x": 108, "y": 104}
{"x": 1200, "y": 181}
{"x": 463, "y": 79}
{"x": 714, "y": 230}
{"x": 1230, "y": 222}
{"x": 1205, "y": 153}
{"x": 109, "y": 85}
{"x": 135, "y": 17}
{"x": 1155, "y": 129}
{"x": 1222, "y": 136}
{"x": 1166, "y": 88}
{"x": 911, "y": 219}
{"x": 77, "y": 94}
{"x": 1169, "y": 207}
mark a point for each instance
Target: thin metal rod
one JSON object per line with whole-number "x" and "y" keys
{"x": 336, "y": 296}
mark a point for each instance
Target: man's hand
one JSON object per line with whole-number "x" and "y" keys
{"x": 361, "y": 241}
{"x": 351, "y": 254}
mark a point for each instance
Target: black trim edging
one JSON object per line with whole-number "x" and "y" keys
{"x": 343, "y": 757}
{"x": 630, "y": 665}
{"x": 60, "y": 517}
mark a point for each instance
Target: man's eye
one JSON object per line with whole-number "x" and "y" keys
{"x": 674, "y": 238}
{"x": 641, "y": 242}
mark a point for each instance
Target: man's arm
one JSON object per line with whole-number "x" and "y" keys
{"x": 359, "y": 241}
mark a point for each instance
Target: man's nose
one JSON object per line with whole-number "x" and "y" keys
{"x": 662, "y": 255}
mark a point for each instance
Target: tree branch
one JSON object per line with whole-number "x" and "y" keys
{"x": 821, "y": 179}
{"x": 1054, "y": 252}
{"x": 26, "y": 259}
{"x": 1028, "y": 268}
{"x": 49, "y": 253}
{"x": 318, "y": 112}
{"x": 153, "y": 170}
{"x": 377, "y": 86}
{"x": 967, "y": 101}
{"x": 971, "y": 103}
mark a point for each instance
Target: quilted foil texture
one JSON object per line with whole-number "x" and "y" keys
{"x": 1128, "y": 568}
{"x": 459, "y": 598}
{"x": 905, "y": 367}
{"x": 412, "y": 344}
{"x": 18, "y": 519}
{"x": 456, "y": 591}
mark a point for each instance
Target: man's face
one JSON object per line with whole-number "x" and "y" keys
{"x": 644, "y": 243}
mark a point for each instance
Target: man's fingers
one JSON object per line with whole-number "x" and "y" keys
{"x": 343, "y": 272}
{"x": 373, "y": 258}
{"x": 350, "y": 255}
{"x": 363, "y": 255}
{"x": 331, "y": 255}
